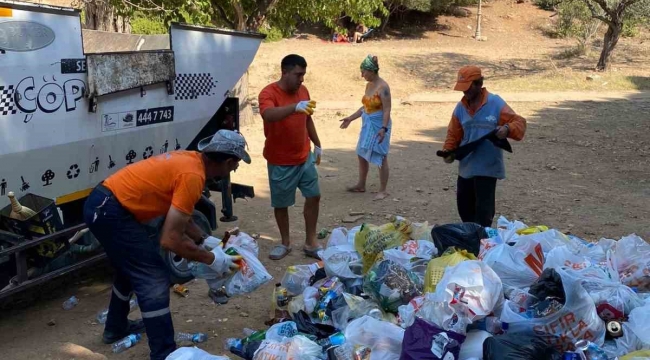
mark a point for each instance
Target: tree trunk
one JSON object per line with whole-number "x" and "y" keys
{"x": 609, "y": 43}
{"x": 100, "y": 15}
{"x": 239, "y": 14}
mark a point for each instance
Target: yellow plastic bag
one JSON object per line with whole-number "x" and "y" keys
{"x": 636, "y": 354}
{"x": 372, "y": 240}
{"x": 437, "y": 266}
{"x": 532, "y": 230}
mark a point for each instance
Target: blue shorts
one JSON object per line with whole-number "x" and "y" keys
{"x": 284, "y": 180}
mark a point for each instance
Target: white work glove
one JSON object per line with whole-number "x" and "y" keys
{"x": 318, "y": 152}
{"x": 306, "y": 107}
{"x": 223, "y": 263}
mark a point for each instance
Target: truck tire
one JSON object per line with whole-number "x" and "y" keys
{"x": 178, "y": 267}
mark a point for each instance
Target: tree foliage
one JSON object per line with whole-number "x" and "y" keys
{"x": 575, "y": 20}
{"x": 252, "y": 15}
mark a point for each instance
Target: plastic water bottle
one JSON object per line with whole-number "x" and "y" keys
{"x": 103, "y": 315}
{"x": 70, "y": 303}
{"x": 126, "y": 343}
{"x": 333, "y": 340}
{"x": 234, "y": 345}
{"x": 195, "y": 338}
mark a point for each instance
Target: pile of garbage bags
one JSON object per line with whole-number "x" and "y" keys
{"x": 406, "y": 290}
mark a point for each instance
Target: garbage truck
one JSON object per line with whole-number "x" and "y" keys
{"x": 69, "y": 119}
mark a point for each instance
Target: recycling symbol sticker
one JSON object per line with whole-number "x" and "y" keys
{"x": 148, "y": 152}
{"x": 73, "y": 172}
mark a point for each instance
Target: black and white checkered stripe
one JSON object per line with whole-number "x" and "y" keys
{"x": 191, "y": 86}
{"x": 7, "y": 105}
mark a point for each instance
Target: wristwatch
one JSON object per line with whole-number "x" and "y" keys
{"x": 385, "y": 128}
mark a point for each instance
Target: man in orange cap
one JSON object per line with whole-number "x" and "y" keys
{"x": 476, "y": 116}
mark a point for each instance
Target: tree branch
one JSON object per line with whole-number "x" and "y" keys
{"x": 603, "y": 5}
{"x": 630, "y": 2}
{"x": 594, "y": 12}
{"x": 223, "y": 14}
{"x": 262, "y": 8}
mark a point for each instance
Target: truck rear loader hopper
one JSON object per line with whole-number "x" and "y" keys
{"x": 70, "y": 118}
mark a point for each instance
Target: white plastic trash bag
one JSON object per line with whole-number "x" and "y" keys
{"x": 632, "y": 259}
{"x": 508, "y": 229}
{"x": 412, "y": 250}
{"x": 576, "y": 320}
{"x": 352, "y": 233}
{"x": 420, "y": 248}
{"x": 639, "y": 322}
{"x": 472, "y": 347}
{"x": 406, "y": 313}
{"x": 193, "y": 353}
{"x": 383, "y": 338}
{"x": 301, "y": 348}
{"x": 281, "y": 331}
{"x": 518, "y": 265}
{"x": 296, "y": 348}
{"x": 339, "y": 236}
{"x": 549, "y": 239}
{"x": 342, "y": 261}
{"x": 244, "y": 241}
{"x": 473, "y": 285}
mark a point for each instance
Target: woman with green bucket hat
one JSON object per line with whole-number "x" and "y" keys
{"x": 374, "y": 140}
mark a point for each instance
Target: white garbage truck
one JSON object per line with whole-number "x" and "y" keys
{"x": 69, "y": 119}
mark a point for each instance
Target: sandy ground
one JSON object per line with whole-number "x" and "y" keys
{"x": 581, "y": 168}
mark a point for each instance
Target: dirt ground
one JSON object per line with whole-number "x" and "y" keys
{"x": 581, "y": 168}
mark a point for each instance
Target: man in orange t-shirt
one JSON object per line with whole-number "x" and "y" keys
{"x": 116, "y": 212}
{"x": 286, "y": 109}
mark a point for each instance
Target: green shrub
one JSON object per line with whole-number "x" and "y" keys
{"x": 630, "y": 29}
{"x": 143, "y": 25}
{"x": 272, "y": 33}
{"x": 549, "y": 5}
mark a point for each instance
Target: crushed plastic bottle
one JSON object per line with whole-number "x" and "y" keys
{"x": 195, "y": 338}
{"x": 126, "y": 343}
{"x": 70, "y": 303}
{"x": 591, "y": 350}
{"x": 103, "y": 315}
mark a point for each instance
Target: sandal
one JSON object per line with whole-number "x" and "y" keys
{"x": 355, "y": 189}
{"x": 279, "y": 251}
{"x": 313, "y": 252}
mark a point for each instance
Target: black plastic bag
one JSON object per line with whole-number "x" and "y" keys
{"x": 248, "y": 350}
{"x": 548, "y": 285}
{"x": 306, "y": 326}
{"x": 461, "y": 152}
{"x": 319, "y": 275}
{"x": 466, "y": 236}
{"x": 425, "y": 341}
{"x": 518, "y": 347}
{"x": 336, "y": 303}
